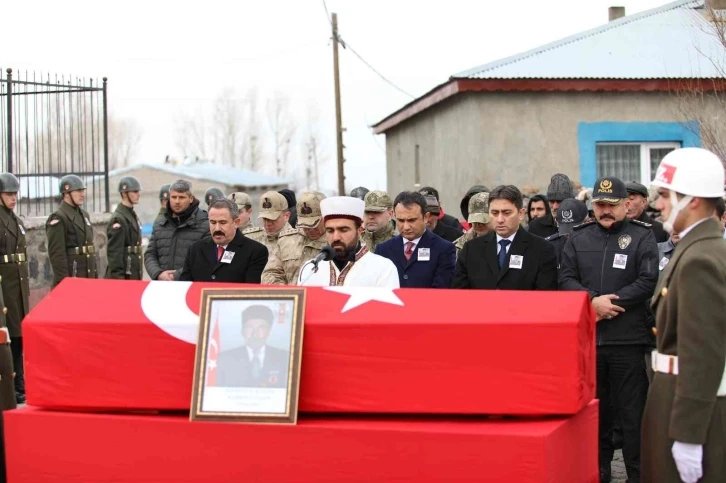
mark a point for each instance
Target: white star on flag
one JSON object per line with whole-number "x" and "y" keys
{"x": 361, "y": 295}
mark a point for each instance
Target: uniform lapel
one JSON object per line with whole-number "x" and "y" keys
{"x": 519, "y": 246}
{"x": 133, "y": 221}
{"x": 75, "y": 215}
{"x": 9, "y": 221}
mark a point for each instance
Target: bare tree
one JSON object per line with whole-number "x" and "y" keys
{"x": 253, "y": 131}
{"x": 124, "y": 140}
{"x": 191, "y": 136}
{"x": 701, "y": 102}
{"x": 313, "y": 152}
{"x": 282, "y": 127}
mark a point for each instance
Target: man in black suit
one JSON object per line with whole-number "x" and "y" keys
{"x": 228, "y": 256}
{"x": 255, "y": 364}
{"x": 508, "y": 258}
{"x": 423, "y": 259}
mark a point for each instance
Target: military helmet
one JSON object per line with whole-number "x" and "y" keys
{"x": 360, "y": 192}
{"x": 128, "y": 183}
{"x": 70, "y": 182}
{"x": 164, "y": 192}
{"x": 9, "y": 183}
{"x": 212, "y": 195}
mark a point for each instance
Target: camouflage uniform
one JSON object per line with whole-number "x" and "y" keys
{"x": 378, "y": 202}
{"x": 478, "y": 213}
{"x": 243, "y": 202}
{"x": 294, "y": 248}
{"x": 272, "y": 206}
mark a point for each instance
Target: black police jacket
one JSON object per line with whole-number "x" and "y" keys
{"x": 622, "y": 261}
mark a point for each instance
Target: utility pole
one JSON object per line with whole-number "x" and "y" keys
{"x": 338, "y": 115}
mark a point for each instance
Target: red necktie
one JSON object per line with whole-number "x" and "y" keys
{"x": 220, "y": 252}
{"x": 408, "y": 252}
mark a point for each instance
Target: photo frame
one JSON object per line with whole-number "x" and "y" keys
{"x": 249, "y": 350}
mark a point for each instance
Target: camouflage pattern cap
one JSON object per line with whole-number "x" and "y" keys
{"x": 378, "y": 201}
{"x": 272, "y": 204}
{"x": 308, "y": 209}
{"x": 479, "y": 208}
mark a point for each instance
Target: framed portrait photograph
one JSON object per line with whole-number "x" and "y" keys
{"x": 247, "y": 365}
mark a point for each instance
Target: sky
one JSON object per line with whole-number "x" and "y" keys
{"x": 165, "y": 60}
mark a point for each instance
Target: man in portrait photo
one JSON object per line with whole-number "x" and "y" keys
{"x": 254, "y": 364}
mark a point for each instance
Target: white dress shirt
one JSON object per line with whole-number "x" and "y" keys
{"x": 260, "y": 355}
{"x": 415, "y": 243}
{"x": 688, "y": 230}
{"x": 510, "y": 238}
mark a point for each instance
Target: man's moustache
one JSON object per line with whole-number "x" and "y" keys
{"x": 607, "y": 217}
{"x": 220, "y": 233}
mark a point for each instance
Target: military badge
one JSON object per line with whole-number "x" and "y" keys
{"x": 306, "y": 210}
{"x": 267, "y": 205}
{"x": 606, "y": 186}
{"x": 66, "y": 187}
{"x": 567, "y": 217}
{"x": 116, "y": 226}
{"x": 624, "y": 241}
{"x": 123, "y": 186}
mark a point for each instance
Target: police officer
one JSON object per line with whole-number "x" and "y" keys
{"x": 124, "y": 234}
{"x": 275, "y": 215}
{"x": 163, "y": 198}
{"x": 70, "y": 234}
{"x": 615, "y": 260}
{"x": 213, "y": 194}
{"x": 378, "y": 223}
{"x": 294, "y": 247}
{"x": 13, "y": 275}
{"x": 244, "y": 205}
{"x": 478, "y": 218}
{"x": 684, "y": 426}
{"x": 571, "y": 213}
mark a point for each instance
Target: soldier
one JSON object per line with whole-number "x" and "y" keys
{"x": 7, "y": 398}
{"x": 70, "y": 234}
{"x": 275, "y": 213}
{"x": 13, "y": 277}
{"x": 478, "y": 219}
{"x": 213, "y": 194}
{"x": 164, "y": 198}
{"x": 124, "y": 234}
{"x": 378, "y": 225}
{"x": 293, "y": 248}
{"x": 244, "y": 204}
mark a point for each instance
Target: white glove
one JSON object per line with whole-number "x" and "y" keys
{"x": 688, "y": 458}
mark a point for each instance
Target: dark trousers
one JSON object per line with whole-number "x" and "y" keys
{"x": 16, "y": 347}
{"x": 622, "y": 387}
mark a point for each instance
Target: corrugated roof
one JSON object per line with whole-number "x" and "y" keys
{"x": 672, "y": 41}
{"x": 211, "y": 172}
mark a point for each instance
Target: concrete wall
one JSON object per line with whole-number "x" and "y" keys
{"x": 41, "y": 275}
{"x": 515, "y": 138}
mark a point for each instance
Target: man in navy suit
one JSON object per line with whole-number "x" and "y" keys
{"x": 423, "y": 259}
{"x": 509, "y": 257}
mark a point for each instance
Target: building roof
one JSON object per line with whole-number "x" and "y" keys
{"x": 672, "y": 41}
{"x": 641, "y": 52}
{"x": 211, "y": 172}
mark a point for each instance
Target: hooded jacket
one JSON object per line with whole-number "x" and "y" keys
{"x": 171, "y": 238}
{"x": 538, "y": 198}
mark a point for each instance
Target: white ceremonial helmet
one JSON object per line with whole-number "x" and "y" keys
{"x": 692, "y": 172}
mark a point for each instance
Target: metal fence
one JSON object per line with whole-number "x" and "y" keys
{"x": 51, "y": 127}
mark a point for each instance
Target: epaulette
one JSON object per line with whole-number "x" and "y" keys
{"x": 642, "y": 223}
{"x": 583, "y": 225}
{"x": 252, "y": 229}
{"x": 289, "y": 231}
{"x": 554, "y": 237}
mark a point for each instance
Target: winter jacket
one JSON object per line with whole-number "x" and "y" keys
{"x": 622, "y": 261}
{"x": 171, "y": 238}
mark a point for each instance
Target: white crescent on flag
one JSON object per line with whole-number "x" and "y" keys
{"x": 165, "y": 304}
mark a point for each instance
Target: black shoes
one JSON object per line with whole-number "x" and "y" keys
{"x": 605, "y": 475}
{"x": 19, "y": 398}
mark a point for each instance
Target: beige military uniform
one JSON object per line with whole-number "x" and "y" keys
{"x": 294, "y": 248}
{"x": 243, "y": 202}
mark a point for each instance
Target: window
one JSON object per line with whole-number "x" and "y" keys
{"x": 631, "y": 161}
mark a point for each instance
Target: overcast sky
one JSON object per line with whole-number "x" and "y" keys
{"x": 166, "y": 59}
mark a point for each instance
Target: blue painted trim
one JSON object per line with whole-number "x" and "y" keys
{"x": 591, "y": 133}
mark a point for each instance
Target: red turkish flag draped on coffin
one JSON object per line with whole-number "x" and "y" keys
{"x": 108, "y": 344}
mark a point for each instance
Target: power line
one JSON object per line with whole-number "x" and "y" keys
{"x": 346, "y": 45}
